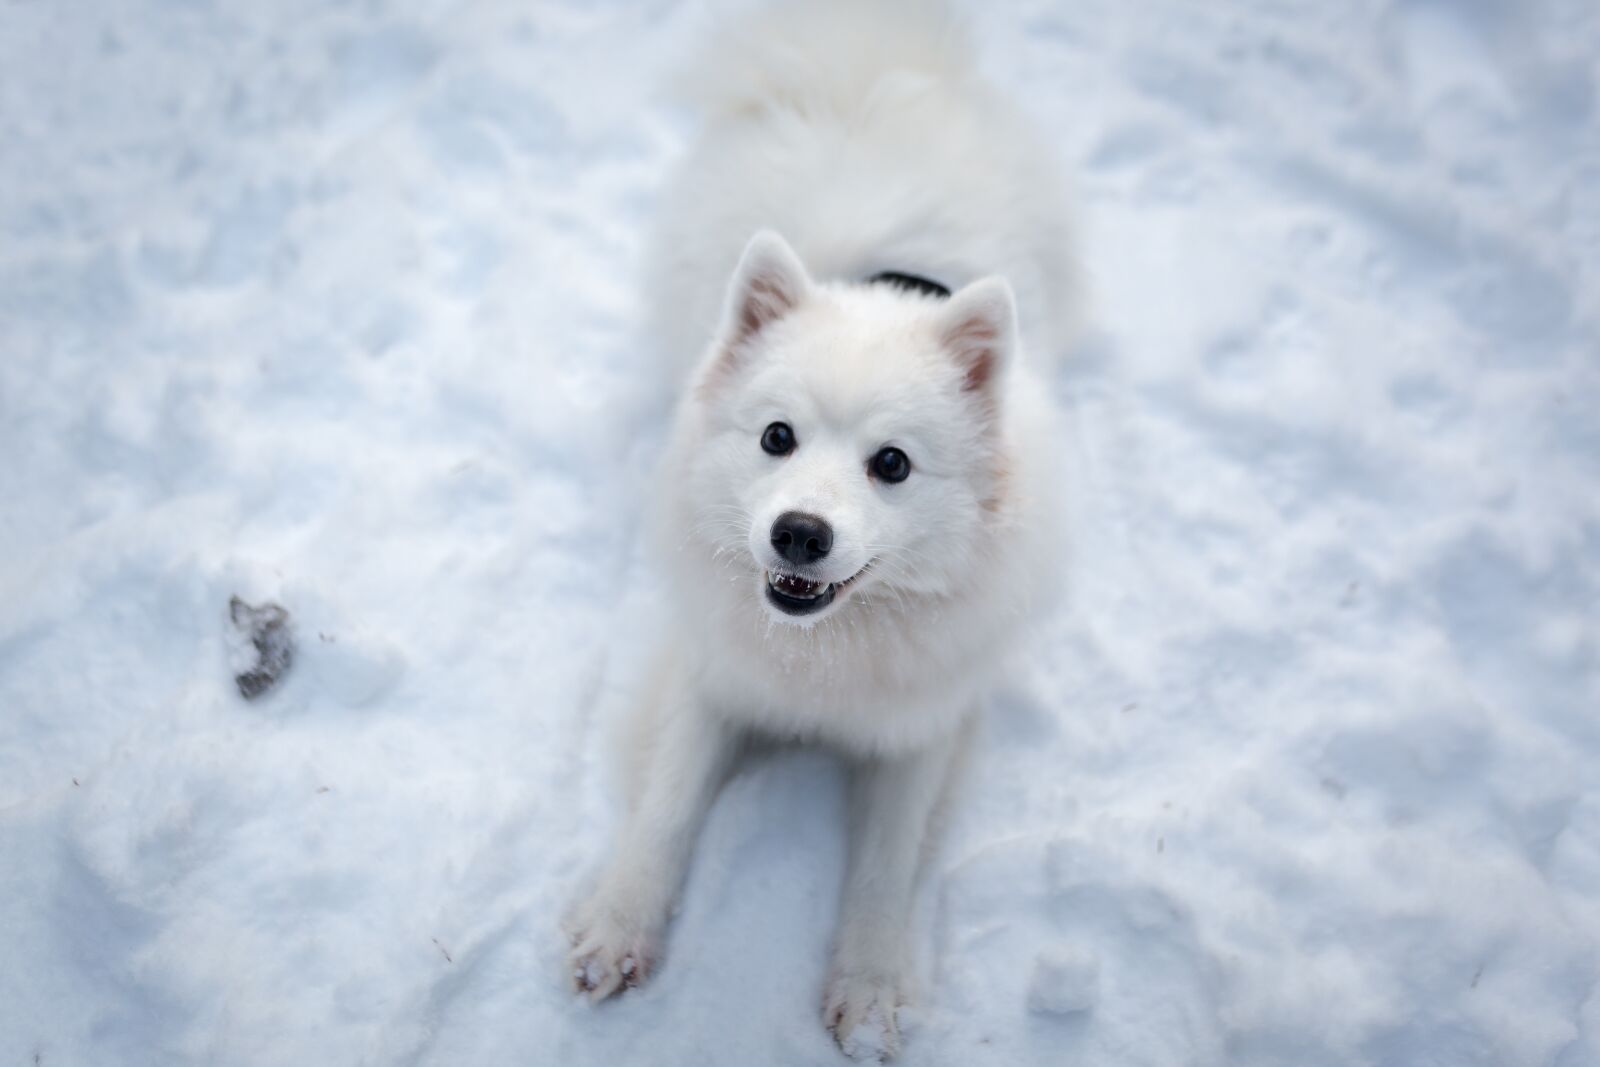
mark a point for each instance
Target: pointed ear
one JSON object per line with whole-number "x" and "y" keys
{"x": 980, "y": 331}
{"x": 769, "y": 282}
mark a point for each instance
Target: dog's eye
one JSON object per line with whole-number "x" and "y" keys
{"x": 777, "y": 439}
{"x": 890, "y": 465}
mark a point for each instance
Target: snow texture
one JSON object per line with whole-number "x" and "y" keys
{"x": 332, "y": 305}
{"x": 1065, "y": 980}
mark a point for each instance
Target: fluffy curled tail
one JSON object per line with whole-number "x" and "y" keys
{"x": 822, "y": 55}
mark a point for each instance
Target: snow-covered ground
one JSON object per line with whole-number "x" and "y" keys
{"x": 333, "y": 304}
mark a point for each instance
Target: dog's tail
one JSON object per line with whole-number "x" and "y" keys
{"x": 822, "y": 55}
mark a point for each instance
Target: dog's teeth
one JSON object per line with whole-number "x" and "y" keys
{"x": 792, "y": 585}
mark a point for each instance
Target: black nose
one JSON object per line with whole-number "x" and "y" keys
{"x": 801, "y": 538}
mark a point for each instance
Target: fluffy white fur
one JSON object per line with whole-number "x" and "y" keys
{"x": 842, "y": 139}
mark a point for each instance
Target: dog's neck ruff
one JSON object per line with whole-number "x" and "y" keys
{"x": 910, "y": 282}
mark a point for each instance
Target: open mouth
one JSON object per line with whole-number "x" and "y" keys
{"x": 794, "y": 595}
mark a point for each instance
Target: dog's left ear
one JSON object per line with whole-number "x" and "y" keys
{"x": 979, "y": 329}
{"x": 769, "y": 282}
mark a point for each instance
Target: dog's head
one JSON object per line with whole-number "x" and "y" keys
{"x": 847, "y": 445}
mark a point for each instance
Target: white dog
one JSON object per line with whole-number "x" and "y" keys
{"x": 861, "y": 483}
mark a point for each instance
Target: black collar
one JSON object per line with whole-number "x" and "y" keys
{"x": 909, "y": 282}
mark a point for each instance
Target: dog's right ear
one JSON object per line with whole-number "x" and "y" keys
{"x": 769, "y": 282}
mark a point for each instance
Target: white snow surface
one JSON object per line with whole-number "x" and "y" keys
{"x": 1065, "y": 980}
{"x": 335, "y": 304}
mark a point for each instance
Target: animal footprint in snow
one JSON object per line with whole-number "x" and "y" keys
{"x": 260, "y": 663}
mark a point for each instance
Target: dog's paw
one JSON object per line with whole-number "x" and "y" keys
{"x": 861, "y": 1009}
{"x": 608, "y": 954}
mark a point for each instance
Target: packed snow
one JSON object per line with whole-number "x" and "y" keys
{"x": 334, "y": 306}
{"x": 1065, "y": 980}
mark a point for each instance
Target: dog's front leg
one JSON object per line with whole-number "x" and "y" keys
{"x": 891, "y": 805}
{"x": 616, "y": 930}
